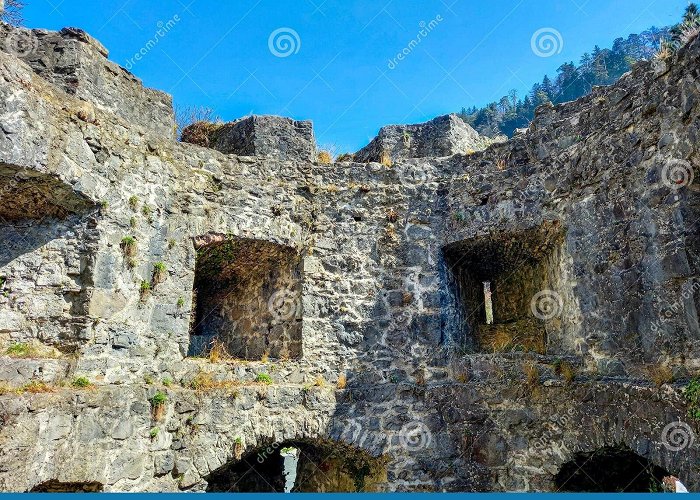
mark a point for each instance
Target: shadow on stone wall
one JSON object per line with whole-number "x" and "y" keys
{"x": 517, "y": 267}
{"x": 36, "y": 209}
{"x": 247, "y": 297}
{"x": 323, "y": 466}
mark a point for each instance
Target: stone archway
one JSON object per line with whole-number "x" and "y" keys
{"x": 610, "y": 469}
{"x": 300, "y": 466}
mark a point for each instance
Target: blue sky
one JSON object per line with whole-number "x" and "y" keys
{"x": 336, "y": 72}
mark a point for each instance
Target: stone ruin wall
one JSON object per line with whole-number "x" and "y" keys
{"x": 380, "y": 265}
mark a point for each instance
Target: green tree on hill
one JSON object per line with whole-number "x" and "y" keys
{"x": 599, "y": 67}
{"x": 11, "y": 13}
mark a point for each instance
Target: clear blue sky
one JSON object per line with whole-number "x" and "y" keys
{"x": 218, "y": 53}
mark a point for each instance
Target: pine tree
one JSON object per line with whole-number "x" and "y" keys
{"x": 12, "y": 13}
{"x": 599, "y": 67}
{"x": 691, "y": 21}
{"x": 692, "y": 14}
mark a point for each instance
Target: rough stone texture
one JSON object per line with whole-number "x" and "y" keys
{"x": 581, "y": 204}
{"x": 77, "y": 63}
{"x": 273, "y": 137}
{"x": 442, "y": 136}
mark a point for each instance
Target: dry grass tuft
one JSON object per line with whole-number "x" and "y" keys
{"x": 160, "y": 272}
{"x": 199, "y": 132}
{"x": 342, "y": 381}
{"x": 523, "y": 335}
{"x": 532, "y": 374}
{"x": 498, "y": 340}
{"x": 688, "y": 33}
{"x": 664, "y": 52}
{"x": 36, "y": 387}
{"x": 565, "y": 370}
{"x": 205, "y": 381}
{"x": 421, "y": 376}
{"x": 345, "y": 157}
{"x": 385, "y": 159}
{"x": 31, "y": 350}
{"x": 128, "y": 246}
{"x": 219, "y": 353}
{"x": 325, "y": 158}
{"x": 660, "y": 374}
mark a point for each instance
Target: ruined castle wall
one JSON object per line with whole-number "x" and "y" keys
{"x": 77, "y": 63}
{"x": 387, "y": 363}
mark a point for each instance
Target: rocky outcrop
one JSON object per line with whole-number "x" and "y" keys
{"x": 272, "y": 137}
{"x": 443, "y": 136}
{"x": 371, "y": 282}
{"x": 77, "y": 63}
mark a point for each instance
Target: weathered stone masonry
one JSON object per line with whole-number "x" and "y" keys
{"x": 356, "y": 287}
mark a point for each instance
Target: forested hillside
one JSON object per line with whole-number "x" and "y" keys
{"x": 599, "y": 67}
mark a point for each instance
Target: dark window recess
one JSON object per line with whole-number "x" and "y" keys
{"x": 492, "y": 280}
{"x": 247, "y": 299}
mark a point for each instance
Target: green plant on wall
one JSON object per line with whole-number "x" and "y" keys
{"x": 692, "y": 396}
{"x": 134, "y": 202}
{"x": 159, "y": 272}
